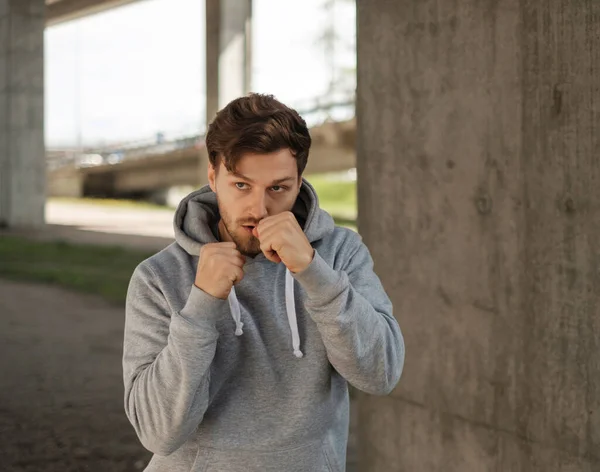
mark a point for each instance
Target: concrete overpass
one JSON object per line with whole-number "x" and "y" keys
{"x": 153, "y": 174}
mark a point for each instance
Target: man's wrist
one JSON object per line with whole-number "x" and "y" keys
{"x": 319, "y": 280}
{"x": 201, "y": 306}
{"x": 309, "y": 259}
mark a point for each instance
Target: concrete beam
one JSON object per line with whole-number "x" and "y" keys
{"x": 61, "y": 11}
{"x": 65, "y": 182}
{"x": 22, "y": 153}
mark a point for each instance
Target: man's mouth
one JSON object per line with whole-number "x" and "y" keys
{"x": 249, "y": 228}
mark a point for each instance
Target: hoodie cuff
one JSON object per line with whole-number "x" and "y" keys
{"x": 319, "y": 280}
{"x": 201, "y": 311}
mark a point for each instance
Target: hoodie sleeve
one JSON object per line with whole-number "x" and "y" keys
{"x": 354, "y": 316}
{"x": 166, "y": 361}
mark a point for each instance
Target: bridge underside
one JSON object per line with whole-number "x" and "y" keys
{"x": 60, "y": 11}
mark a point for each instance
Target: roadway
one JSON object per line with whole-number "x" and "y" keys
{"x": 103, "y": 218}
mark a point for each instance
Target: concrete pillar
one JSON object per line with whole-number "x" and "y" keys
{"x": 479, "y": 197}
{"x": 22, "y": 159}
{"x": 228, "y": 58}
{"x": 228, "y": 52}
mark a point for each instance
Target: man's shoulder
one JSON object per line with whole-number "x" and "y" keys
{"x": 344, "y": 236}
{"x": 340, "y": 245}
{"x": 171, "y": 256}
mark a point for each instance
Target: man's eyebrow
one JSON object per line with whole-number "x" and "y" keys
{"x": 241, "y": 176}
{"x": 284, "y": 179}
{"x": 275, "y": 182}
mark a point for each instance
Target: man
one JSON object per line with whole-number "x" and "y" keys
{"x": 241, "y": 337}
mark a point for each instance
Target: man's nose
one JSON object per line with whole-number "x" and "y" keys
{"x": 258, "y": 208}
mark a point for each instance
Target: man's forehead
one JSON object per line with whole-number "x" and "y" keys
{"x": 261, "y": 170}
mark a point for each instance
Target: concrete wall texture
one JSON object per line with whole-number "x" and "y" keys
{"x": 479, "y": 196}
{"x": 22, "y": 162}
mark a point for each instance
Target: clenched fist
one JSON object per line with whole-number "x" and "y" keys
{"x": 282, "y": 240}
{"x": 219, "y": 269}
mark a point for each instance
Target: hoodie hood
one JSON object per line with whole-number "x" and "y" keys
{"x": 197, "y": 217}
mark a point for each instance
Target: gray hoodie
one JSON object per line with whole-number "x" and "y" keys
{"x": 258, "y": 382}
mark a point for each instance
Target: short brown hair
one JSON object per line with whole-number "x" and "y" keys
{"x": 258, "y": 124}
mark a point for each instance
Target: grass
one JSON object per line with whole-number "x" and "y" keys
{"x": 336, "y": 196}
{"x": 92, "y": 269}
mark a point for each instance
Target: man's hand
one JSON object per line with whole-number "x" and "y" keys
{"x": 282, "y": 240}
{"x": 219, "y": 269}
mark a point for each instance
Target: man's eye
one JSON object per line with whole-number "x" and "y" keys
{"x": 240, "y": 185}
{"x": 277, "y": 188}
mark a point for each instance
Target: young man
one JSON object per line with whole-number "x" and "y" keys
{"x": 241, "y": 337}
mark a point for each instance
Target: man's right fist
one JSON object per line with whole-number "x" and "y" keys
{"x": 219, "y": 269}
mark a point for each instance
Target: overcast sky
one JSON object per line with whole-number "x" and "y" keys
{"x": 128, "y": 73}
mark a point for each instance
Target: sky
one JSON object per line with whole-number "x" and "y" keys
{"x": 128, "y": 73}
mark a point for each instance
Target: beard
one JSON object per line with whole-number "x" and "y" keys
{"x": 246, "y": 242}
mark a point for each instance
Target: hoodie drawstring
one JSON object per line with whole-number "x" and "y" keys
{"x": 234, "y": 306}
{"x": 290, "y": 307}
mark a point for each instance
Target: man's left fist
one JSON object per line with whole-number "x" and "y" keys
{"x": 282, "y": 240}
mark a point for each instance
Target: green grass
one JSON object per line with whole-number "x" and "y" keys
{"x": 93, "y": 269}
{"x": 336, "y": 196}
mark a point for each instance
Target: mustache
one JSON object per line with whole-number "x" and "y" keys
{"x": 252, "y": 222}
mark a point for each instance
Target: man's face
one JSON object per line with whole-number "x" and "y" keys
{"x": 262, "y": 185}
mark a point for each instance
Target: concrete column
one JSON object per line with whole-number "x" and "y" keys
{"x": 22, "y": 159}
{"x": 479, "y": 197}
{"x": 228, "y": 52}
{"x": 228, "y": 58}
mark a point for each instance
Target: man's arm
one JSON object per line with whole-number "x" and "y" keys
{"x": 166, "y": 361}
{"x": 354, "y": 316}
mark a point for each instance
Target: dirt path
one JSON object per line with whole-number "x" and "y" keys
{"x": 61, "y": 391}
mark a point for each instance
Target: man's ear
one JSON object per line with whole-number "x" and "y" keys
{"x": 212, "y": 175}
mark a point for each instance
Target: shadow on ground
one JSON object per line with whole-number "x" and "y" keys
{"x": 61, "y": 391}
